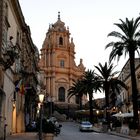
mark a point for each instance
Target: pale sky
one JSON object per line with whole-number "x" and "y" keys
{"x": 89, "y": 23}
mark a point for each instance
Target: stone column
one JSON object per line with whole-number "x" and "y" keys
{"x": 49, "y": 58}
{"x": 53, "y": 84}
{"x": 45, "y": 51}
{"x": 48, "y": 84}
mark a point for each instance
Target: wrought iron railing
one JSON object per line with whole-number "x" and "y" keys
{"x": 10, "y": 54}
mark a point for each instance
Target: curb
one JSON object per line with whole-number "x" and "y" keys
{"x": 117, "y": 134}
{"x": 125, "y": 136}
{"x": 98, "y": 130}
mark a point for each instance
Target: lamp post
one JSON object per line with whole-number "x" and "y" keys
{"x": 50, "y": 101}
{"x": 41, "y": 98}
{"x": 97, "y": 112}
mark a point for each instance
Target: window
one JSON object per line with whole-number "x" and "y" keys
{"x": 2, "y": 98}
{"x": 62, "y": 63}
{"x": 18, "y": 38}
{"x": 60, "y": 41}
{"x": 17, "y": 65}
{"x": 5, "y": 33}
{"x": 61, "y": 94}
{"x": 0, "y": 103}
{"x": 6, "y": 13}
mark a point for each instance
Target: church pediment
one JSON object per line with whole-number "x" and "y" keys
{"x": 63, "y": 80}
{"x": 62, "y": 55}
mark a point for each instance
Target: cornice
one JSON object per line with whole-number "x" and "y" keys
{"x": 18, "y": 12}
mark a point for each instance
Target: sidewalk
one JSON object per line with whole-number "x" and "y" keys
{"x": 23, "y": 136}
{"x": 96, "y": 129}
{"x": 125, "y": 136}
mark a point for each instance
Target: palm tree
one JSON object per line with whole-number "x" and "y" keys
{"x": 111, "y": 85}
{"x": 129, "y": 42}
{"x": 76, "y": 90}
{"x": 90, "y": 85}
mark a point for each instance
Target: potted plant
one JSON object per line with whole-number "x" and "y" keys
{"x": 133, "y": 129}
{"x": 118, "y": 125}
{"x": 48, "y": 129}
{"x": 105, "y": 126}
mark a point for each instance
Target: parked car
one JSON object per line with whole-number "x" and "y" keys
{"x": 86, "y": 126}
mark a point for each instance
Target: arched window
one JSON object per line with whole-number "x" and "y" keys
{"x": 61, "y": 94}
{"x": 0, "y": 103}
{"x": 62, "y": 63}
{"x": 60, "y": 41}
{"x": 2, "y": 99}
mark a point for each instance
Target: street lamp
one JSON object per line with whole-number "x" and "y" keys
{"x": 97, "y": 112}
{"x": 50, "y": 101}
{"x": 41, "y": 98}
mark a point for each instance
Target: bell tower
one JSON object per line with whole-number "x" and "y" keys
{"x": 57, "y": 62}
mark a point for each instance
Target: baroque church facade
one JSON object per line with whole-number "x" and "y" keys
{"x": 57, "y": 64}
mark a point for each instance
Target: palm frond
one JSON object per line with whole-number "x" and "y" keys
{"x": 109, "y": 45}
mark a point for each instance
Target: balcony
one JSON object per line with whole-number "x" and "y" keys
{"x": 9, "y": 54}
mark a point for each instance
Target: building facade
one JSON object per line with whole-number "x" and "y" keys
{"x": 124, "y": 100}
{"x": 57, "y": 63}
{"x": 18, "y": 66}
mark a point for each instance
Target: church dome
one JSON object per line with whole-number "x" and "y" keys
{"x": 58, "y": 25}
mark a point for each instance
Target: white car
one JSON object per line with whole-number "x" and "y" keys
{"x": 85, "y": 126}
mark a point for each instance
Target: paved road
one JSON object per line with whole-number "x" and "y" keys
{"x": 70, "y": 131}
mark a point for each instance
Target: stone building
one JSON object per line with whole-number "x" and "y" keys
{"x": 57, "y": 63}
{"x": 124, "y": 100}
{"x": 18, "y": 66}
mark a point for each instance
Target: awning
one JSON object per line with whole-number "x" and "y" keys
{"x": 124, "y": 115}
